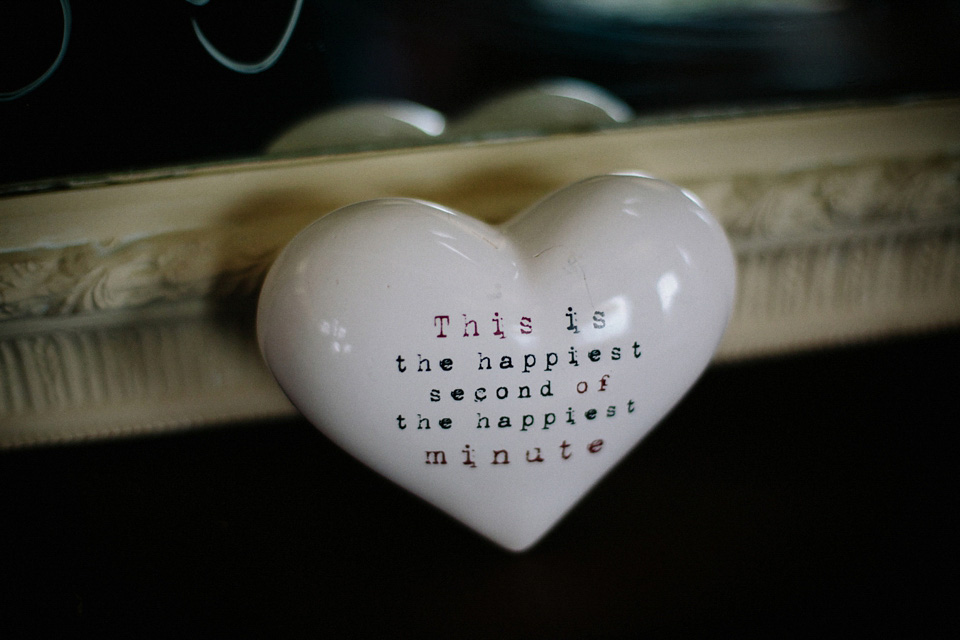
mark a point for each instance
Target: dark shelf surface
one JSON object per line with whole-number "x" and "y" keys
{"x": 807, "y": 494}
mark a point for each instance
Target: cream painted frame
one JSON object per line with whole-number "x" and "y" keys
{"x": 126, "y": 303}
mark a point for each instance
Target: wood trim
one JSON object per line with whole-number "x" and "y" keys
{"x": 126, "y": 305}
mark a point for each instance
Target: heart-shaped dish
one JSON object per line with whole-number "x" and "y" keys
{"x": 499, "y": 371}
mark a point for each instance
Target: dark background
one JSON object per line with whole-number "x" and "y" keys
{"x": 136, "y": 90}
{"x": 798, "y": 496}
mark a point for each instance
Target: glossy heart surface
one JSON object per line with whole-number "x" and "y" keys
{"x": 499, "y": 372}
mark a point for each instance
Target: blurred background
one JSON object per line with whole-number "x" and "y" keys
{"x": 109, "y": 86}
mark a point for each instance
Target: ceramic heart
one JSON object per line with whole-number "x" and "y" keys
{"x": 499, "y": 372}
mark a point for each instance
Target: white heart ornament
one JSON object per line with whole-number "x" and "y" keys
{"x": 499, "y": 371}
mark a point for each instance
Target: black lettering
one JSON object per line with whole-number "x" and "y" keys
{"x": 552, "y": 360}
{"x": 423, "y": 361}
{"x": 572, "y": 315}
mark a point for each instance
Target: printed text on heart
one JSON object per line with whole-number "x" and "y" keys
{"x": 501, "y": 406}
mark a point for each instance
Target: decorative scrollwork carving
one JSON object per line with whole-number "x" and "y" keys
{"x": 218, "y": 262}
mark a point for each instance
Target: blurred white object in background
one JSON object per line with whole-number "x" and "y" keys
{"x": 556, "y": 105}
{"x": 375, "y": 124}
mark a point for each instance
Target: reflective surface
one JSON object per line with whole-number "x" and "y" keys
{"x": 109, "y": 86}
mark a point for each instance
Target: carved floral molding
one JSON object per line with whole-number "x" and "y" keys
{"x": 146, "y": 325}
{"x": 227, "y": 261}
